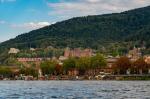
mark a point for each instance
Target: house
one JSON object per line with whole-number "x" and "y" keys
{"x": 62, "y": 58}
{"x": 134, "y": 54}
{"x": 13, "y": 51}
{"x": 29, "y": 59}
{"x": 111, "y": 61}
{"x": 32, "y": 49}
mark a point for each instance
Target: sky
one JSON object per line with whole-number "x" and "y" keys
{"x": 22, "y": 16}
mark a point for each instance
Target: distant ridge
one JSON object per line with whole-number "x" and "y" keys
{"x": 132, "y": 27}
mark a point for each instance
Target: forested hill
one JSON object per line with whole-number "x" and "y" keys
{"x": 90, "y": 31}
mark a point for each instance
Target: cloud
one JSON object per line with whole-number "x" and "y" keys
{"x": 31, "y": 25}
{"x": 73, "y": 8}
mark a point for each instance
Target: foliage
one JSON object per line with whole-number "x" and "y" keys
{"x": 48, "y": 67}
{"x": 5, "y": 72}
{"x": 58, "y": 69}
{"x": 83, "y": 63}
{"x": 130, "y": 27}
{"x": 98, "y": 61}
{"x": 123, "y": 64}
{"x": 140, "y": 64}
{"x": 69, "y": 64}
{"x": 40, "y": 53}
{"x": 29, "y": 71}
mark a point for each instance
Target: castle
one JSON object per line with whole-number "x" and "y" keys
{"x": 77, "y": 52}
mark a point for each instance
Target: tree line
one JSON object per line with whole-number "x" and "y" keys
{"x": 84, "y": 65}
{"x": 124, "y": 65}
{"x": 90, "y": 31}
{"x": 81, "y": 64}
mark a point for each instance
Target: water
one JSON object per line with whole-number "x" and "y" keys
{"x": 74, "y": 89}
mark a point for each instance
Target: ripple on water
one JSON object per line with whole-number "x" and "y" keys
{"x": 74, "y": 90}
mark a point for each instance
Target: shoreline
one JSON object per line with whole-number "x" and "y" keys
{"x": 84, "y": 78}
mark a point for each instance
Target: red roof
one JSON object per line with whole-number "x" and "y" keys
{"x": 29, "y": 59}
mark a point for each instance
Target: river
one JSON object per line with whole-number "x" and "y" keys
{"x": 74, "y": 89}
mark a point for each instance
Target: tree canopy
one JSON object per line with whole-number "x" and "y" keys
{"x": 126, "y": 28}
{"x": 48, "y": 67}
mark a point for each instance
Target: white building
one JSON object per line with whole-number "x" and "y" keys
{"x": 13, "y": 51}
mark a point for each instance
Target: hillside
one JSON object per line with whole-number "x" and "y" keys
{"x": 126, "y": 28}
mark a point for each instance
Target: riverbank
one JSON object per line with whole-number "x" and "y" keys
{"x": 74, "y": 78}
{"x": 134, "y": 78}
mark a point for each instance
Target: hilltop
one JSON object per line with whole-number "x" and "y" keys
{"x": 124, "y": 30}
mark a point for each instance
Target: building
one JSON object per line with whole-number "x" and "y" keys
{"x": 62, "y": 58}
{"x": 29, "y": 59}
{"x": 77, "y": 52}
{"x": 147, "y": 59}
{"x": 26, "y": 62}
{"x": 111, "y": 61}
{"x": 134, "y": 54}
{"x": 32, "y": 49}
{"x": 13, "y": 51}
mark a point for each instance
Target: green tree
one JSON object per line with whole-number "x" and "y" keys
{"x": 91, "y": 31}
{"x": 69, "y": 64}
{"x": 5, "y": 72}
{"x": 83, "y": 64}
{"x": 48, "y": 67}
{"x": 29, "y": 71}
{"x": 98, "y": 61}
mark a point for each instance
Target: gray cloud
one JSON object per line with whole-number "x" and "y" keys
{"x": 73, "y": 8}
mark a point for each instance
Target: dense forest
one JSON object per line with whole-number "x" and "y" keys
{"x": 119, "y": 31}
